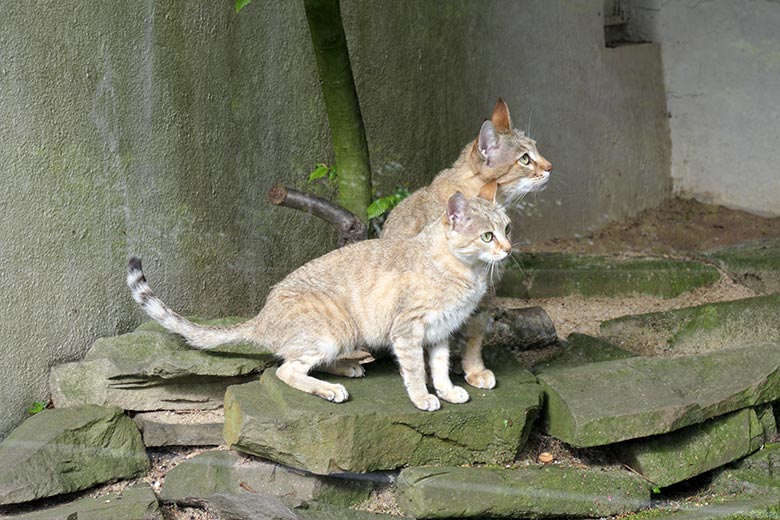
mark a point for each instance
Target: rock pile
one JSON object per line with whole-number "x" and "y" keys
{"x": 703, "y": 402}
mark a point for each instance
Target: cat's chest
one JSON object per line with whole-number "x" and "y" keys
{"x": 444, "y": 320}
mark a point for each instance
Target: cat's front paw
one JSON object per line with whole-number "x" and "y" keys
{"x": 455, "y": 394}
{"x": 333, "y": 392}
{"x": 427, "y": 402}
{"x": 482, "y": 379}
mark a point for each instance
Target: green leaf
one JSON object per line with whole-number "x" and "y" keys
{"x": 240, "y": 4}
{"x": 319, "y": 172}
{"x": 378, "y": 207}
{"x": 36, "y": 407}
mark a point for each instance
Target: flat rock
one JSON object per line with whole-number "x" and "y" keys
{"x": 64, "y": 450}
{"x": 228, "y": 472}
{"x": 677, "y": 456}
{"x": 533, "y": 492}
{"x": 252, "y": 506}
{"x": 703, "y": 328}
{"x": 133, "y": 503}
{"x": 150, "y": 369}
{"x": 612, "y": 401}
{"x": 754, "y": 264}
{"x": 519, "y": 329}
{"x": 550, "y": 275}
{"x": 758, "y": 473}
{"x": 378, "y": 428}
{"x": 167, "y": 428}
{"x": 579, "y": 349}
{"x": 729, "y": 508}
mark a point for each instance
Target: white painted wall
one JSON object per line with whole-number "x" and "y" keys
{"x": 721, "y": 63}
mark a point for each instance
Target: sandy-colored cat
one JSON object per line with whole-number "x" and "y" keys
{"x": 501, "y": 154}
{"x": 410, "y": 293}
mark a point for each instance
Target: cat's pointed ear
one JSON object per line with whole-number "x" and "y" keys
{"x": 456, "y": 208}
{"x": 488, "y": 191}
{"x": 500, "y": 118}
{"x": 487, "y": 142}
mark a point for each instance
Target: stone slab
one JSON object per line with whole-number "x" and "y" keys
{"x": 150, "y": 369}
{"x": 533, "y": 492}
{"x": 134, "y": 503}
{"x": 580, "y": 349}
{"x": 677, "y": 456}
{"x": 550, "y": 275}
{"x": 730, "y": 508}
{"x": 758, "y": 473}
{"x": 612, "y": 401}
{"x": 64, "y": 450}
{"x": 228, "y": 472}
{"x": 702, "y": 328}
{"x": 378, "y": 428}
{"x": 167, "y": 428}
{"x": 252, "y": 506}
{"x": 754, "y": 264}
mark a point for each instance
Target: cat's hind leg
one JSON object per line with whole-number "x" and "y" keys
{"x": 344, "y": 367}
{"x": 439, "y": 360}
{"x": 295, "y": 372}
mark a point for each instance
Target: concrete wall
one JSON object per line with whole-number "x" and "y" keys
{"x": 722, "y": 73}
{"x": 155, "y": 128}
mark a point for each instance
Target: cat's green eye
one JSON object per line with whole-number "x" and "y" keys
{"x": 507, "y": 230}
{"x": 487, "y": 236}
{"x": 524, "y": 159}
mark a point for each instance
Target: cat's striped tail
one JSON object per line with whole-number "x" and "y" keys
{"x": 198, "y": 336}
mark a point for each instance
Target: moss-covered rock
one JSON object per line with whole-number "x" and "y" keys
{"x": 548, "y": 275}
{"x": 64, "y": 450}
{"x": 682, "y": 454}
{"x": 757, "y": 473}
{"x": 579, "y": 349}
{"x": 534, "y": 492}
{"x": 150, "y": 369}
{"x": 228, "y": 472}
{"x": 722, "y": 508}
{"x": 607, "y": 402}
{"x": 754, "y": 264}
{"x": 698, "y": 329}
{"x": 134, "y": 503}
{"x": 175, "y": 429}
{"x": 379, "y": 428}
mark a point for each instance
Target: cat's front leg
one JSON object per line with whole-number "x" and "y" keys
{"x": 409, "y": 352}
{"x": 439, "y": 359}
{"x": 473, "y": 366}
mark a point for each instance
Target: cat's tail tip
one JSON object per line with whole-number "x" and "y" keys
{"x": 136, "y": 280}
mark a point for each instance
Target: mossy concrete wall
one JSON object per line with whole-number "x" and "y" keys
{"x": 154, "y": 128}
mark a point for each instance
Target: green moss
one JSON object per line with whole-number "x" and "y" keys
{"x": 554, "y": 274}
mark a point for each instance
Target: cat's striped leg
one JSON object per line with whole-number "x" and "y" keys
{"x": 407, "y": 345}
{"x": 473, "y": 366}
{"x": 439, "y": 360}
{"x": 295, "y": 372}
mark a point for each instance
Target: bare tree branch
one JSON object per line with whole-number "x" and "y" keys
{"x": 349, "y": 226}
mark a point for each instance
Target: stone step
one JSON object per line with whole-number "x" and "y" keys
{"x": 150, "y": 369}
{"x": 133, "y": 503}
{"x": 758, "y": 473}
{"x": 228, "y": 472}
{"x": 64, "y": 450}
{"x": 703, "y": 328}
{"x": 550, "y": 275}
{"x": 167, "y": 428}
{"x": 378, "y": 428}
{"x": 754, "y": 264}
{"x": 579, "y": 349}
{"x": 532, "y": 492}
{"x": 612, "y": 401}
{"x": 677, "y": 456}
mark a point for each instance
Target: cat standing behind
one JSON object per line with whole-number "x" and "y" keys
{"x": 409, "y": 293}
{"x": 500, "y": 154}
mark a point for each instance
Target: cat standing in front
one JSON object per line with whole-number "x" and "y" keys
{"x": 500, "y": 154}
{"x": 410, "y": 293}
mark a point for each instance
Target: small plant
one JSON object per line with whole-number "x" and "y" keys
{"x": 36, "y": 407}
{"x": 325, "y": 173}
{"x": 382, "y": 205}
